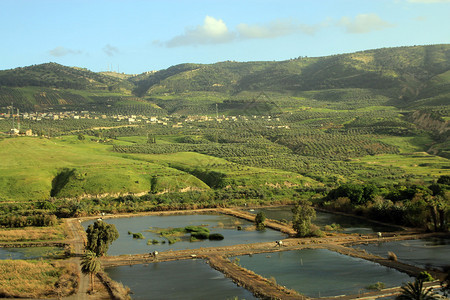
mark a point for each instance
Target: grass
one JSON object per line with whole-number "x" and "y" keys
{"x": 235, "y": 174}
{"x": 32, "y": 234}
{"x": 36, "y": 279}
{"x": 419, "y": 164}
{"x": 174, "y": 235}
{"x": 29, "y": 166}
{"x": 409, "y": 144}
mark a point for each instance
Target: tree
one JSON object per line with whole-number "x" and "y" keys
{"x": 153, "y": 184}
{"x": 259, "y": 220}
{"x": 90, "y": 264}
{"x": 99, "y": 236}
{"x": 445, "y": 285}
{"x": 416, "y": 291}
{"x": 304, "y": 213}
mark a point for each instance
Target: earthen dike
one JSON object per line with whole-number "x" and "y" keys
{"x": 217, "y": 257}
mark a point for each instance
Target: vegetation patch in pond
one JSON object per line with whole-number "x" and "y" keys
{"x": 225, "y": 225}
{"x": 191, "y": 233}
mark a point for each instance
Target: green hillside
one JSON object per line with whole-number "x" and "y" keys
{"x": 416, "y": 77}
{"x": 36, "y": 169}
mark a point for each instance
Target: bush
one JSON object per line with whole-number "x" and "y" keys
{"x": 196, "y": 229}
{"x": 216, "y": 237}
{"x": 425, "y": 276}
{"x": 376, "y": 286}
{"x": 138, "y": 236}
{"x": 392, "y": 256}
{"x": 259, "y": 220}
{"x": 200, "y": 235}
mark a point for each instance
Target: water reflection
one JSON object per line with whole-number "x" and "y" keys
{"x": 424, "y": 253}
{"x": 186, "y": 279}
{"x": 225, "y": 225}
{"x": 320, "y": 272}
{"x": 349, "y": 224}
{"x": 30, "y": 252}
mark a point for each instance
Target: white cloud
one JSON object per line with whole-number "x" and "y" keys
{"x": 364, "y": 23}
{"x": 274, "y": 29}
{"x": 212, "y": 31}
{"x": 62, "y": 51}
{"x": 215, "y": 31}
{"x": 110, "y": 50}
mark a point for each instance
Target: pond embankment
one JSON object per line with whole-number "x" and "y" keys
{"x": 261, "y": 287}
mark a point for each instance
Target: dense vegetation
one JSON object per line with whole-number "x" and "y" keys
{"x": 365, "y": 132}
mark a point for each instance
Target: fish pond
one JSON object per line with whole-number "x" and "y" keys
{"x": 348, "y": 224}
{"x": 424, "y": 253}
{"x": 31, "y": 252}
{"x": 185, "y": 279}
{"x": 320, "y": 272}
{"x": 163, "y": 233}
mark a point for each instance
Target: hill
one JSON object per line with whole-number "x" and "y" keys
{"x": 408, "y": 77}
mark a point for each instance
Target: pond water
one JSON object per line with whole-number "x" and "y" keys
{"x": 30, "y": 252}
{"x": 223, "y": 224}
{"x": 429, "y": 252}
{"x": 348, "y": 223}
{"x": 320, "y": 272}
{"x": 185, "y": 279}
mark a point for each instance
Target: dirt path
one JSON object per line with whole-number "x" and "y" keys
{"x": 258, "y": 285}
{"x": 77, "y": 242}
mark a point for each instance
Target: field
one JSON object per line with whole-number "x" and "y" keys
{"x": 33, "y": 234}
{"x": 305, "y": 150}
{"x": 36, "y": 279}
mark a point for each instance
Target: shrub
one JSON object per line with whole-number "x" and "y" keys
{"x": 392, "y": 256}
{"x": 200, "y": 235}
{"x": 376, "y": 286}
{"x": 216, "y": 237}
{"x": 259, "y": 220}
{"x": 196, "y": 229}
{"x": 138, "y": 236}
{"x": 425, "y": 276}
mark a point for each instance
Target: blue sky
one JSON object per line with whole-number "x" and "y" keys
{"x": 134, "y": 36}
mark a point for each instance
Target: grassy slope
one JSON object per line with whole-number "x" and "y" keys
{"x": 235, "y": 174}
{"x": 29, "y": 165}
{"x": 420, "y": 164}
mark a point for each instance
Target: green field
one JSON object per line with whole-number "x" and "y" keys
{"x": 31, "y": 164}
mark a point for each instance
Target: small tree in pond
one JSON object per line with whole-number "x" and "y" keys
{"x": 259, "y": 220}
{"x": 304, "y": 213}
{"x": 99, "y": 236}
{"x": 90, "y": 264}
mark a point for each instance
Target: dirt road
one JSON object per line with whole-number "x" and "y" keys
{"x": 77, "y": 242}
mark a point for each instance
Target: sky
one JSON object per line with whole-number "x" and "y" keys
{"x": 135, "y": 36}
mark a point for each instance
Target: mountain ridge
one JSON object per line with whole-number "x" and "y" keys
{"x": 414, "y": 76}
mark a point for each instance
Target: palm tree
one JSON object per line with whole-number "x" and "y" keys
{"x": 90, "y": 264}
{"x": 416, "y": 291}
